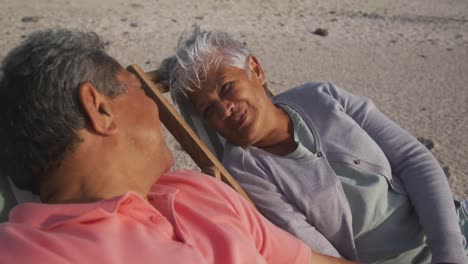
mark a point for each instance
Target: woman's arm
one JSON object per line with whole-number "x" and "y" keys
{"x": 419, "y": 171}
{"x": 276, "y": 207}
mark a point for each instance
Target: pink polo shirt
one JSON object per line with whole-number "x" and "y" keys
{"x": 188, "y": 218}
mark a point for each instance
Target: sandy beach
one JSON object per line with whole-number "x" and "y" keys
{"x": 410, "y": 57}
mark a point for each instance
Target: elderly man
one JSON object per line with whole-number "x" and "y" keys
{"x": 78, "y": 130}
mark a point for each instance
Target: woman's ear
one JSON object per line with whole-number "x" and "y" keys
{"x": 256, "y": 69}
{"x": 98, "y": 109}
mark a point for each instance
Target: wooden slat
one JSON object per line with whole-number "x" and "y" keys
{"x": 182, "y": 132}
{"x": 213, "y": 171}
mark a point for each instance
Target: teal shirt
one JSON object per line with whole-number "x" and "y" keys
{"x": 377, "y": 211}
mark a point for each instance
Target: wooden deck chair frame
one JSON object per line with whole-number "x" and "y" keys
{"x": 181, "y": 131}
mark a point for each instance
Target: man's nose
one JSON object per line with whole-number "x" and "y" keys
{"x": 226, "y": 108}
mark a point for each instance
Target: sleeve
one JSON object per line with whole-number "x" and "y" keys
{"x": 275, "y": 206}
{"x": 420, "y": 173}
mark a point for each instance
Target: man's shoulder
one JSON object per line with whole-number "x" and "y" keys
{"x": 185, "y": 177}
{"x": 201, "y": 191}
{"x": 193, "y": 183}
{"x": 16, "y": 238}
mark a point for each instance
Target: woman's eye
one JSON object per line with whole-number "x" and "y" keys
{"x": 226, "y": 89}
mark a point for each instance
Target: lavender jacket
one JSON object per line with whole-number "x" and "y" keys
{"x": 348, "y": 129}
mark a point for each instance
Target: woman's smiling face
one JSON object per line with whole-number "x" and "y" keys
{"x": 234, "y": 102}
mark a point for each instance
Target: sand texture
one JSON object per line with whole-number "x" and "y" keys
{"x": 410, "y": 57}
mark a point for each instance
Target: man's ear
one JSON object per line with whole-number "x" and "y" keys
{"x": 256, "y": 69}
{"x": 98, "y": 109}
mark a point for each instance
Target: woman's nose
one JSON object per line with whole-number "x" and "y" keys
{"x": 226, "y": 108}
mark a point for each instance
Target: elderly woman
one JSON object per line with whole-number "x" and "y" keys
{"x": 320, "y": 162}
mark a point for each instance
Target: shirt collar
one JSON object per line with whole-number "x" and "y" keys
{"x": 46, "y": 216}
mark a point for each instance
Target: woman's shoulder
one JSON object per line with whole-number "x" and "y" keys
{"x": 307, "y": 87}
{"x": 234, "y": 155}
{"x": 237, "y": 158}
{"x": 315, "y": 91}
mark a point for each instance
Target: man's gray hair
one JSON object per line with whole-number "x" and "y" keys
{"x": 197, "y": 54}
{"x": 39, "y": 99}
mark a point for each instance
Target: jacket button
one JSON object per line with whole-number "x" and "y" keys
{"x": 356, "y": 162}
{"x": 319, "y": 154}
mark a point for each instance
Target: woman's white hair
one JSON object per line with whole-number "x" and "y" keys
{"x": 197, "y": 54}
